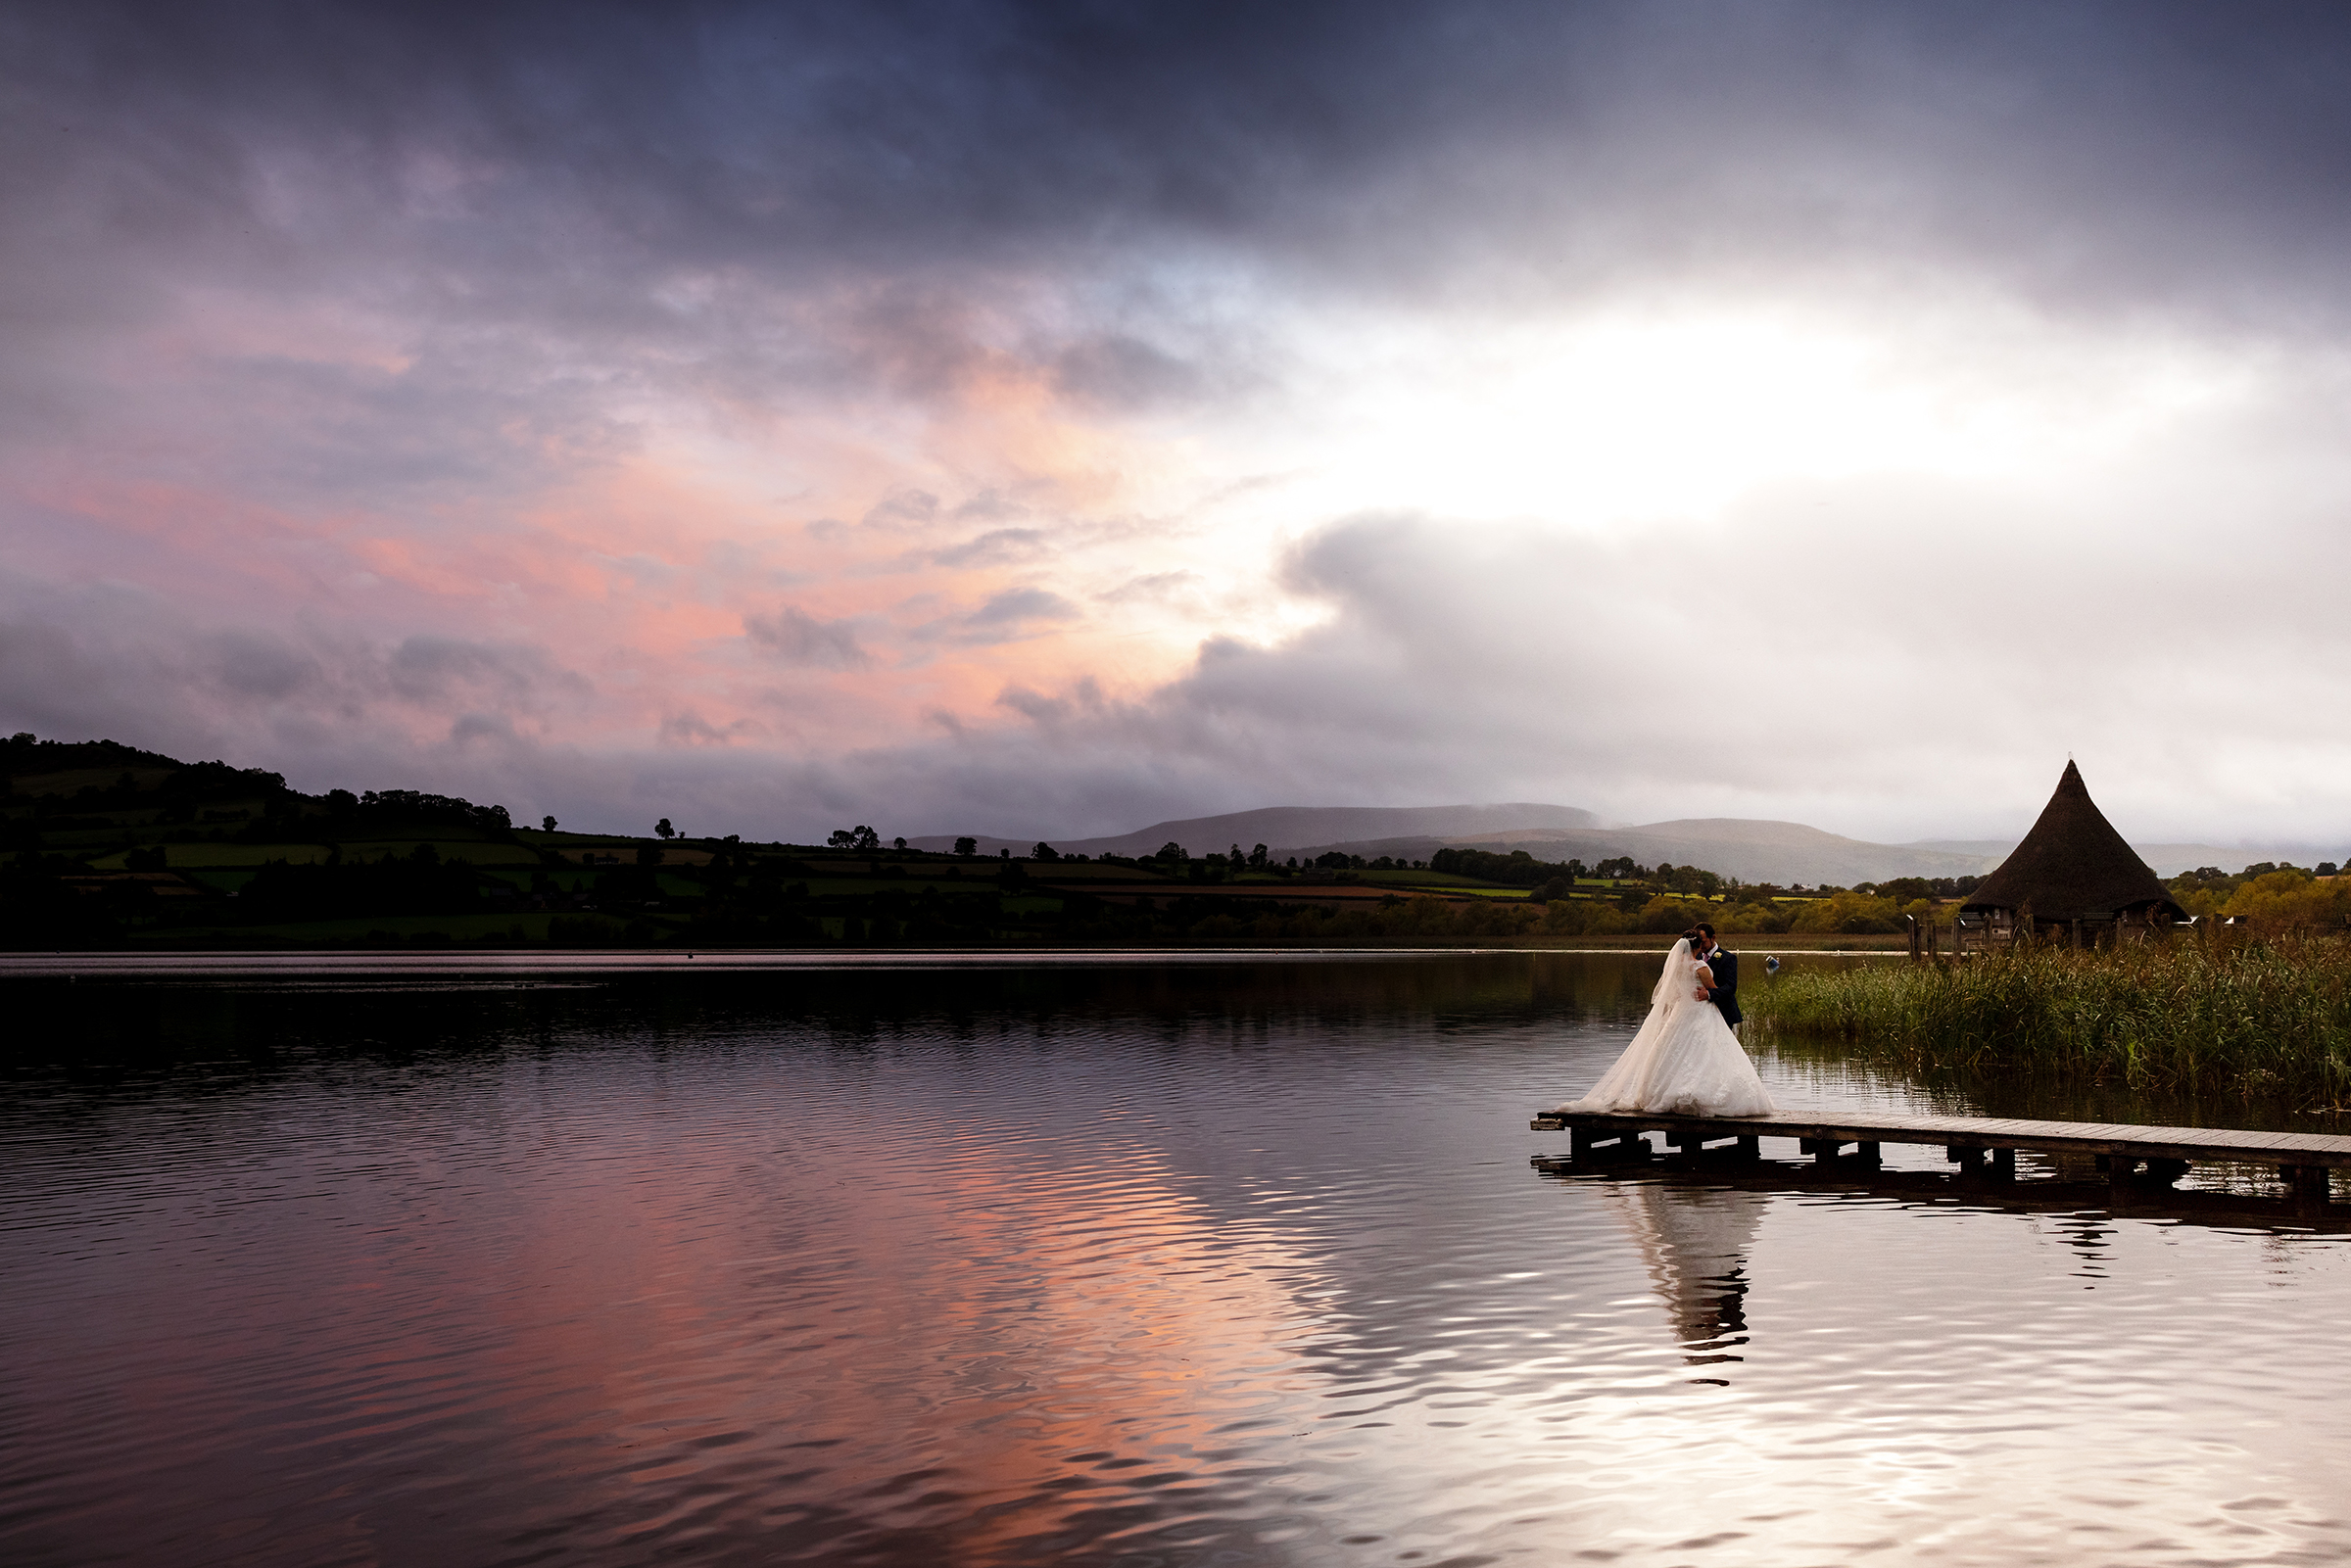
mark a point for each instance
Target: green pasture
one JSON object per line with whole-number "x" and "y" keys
{"x": 120, "y": 822}
{"x": 71, "y": 779}
{"x": 567, "y": 878}
{"x": 1418, "y": 880}
{"x": 207, "y": 856}
{"x": 912, "y": 882}
{"x": 224, "y": 879}
{"x": 1031, "y": 904}
{"x": 671, "y": 854}
{"x": 822, "y": 887}
{"x": 475, "y": 851}
{"x": 81, "y": 838}
{"x": 1473, "y": 889}
{"x": 457, "y": 928}
{"x": 664, "y": 887}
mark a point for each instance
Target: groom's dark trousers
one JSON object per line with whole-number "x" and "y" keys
{"x": 1724, "y": 992}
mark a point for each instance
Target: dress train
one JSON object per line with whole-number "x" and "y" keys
{"x": 1683, "y": 1060}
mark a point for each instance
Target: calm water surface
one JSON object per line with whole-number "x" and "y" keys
{"x": 1206, "y": 1262}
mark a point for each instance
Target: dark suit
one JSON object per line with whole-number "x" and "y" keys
{"x": 1724, "y": 992}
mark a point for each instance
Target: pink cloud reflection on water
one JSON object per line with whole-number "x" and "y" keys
{"x": 504, "y": 1326}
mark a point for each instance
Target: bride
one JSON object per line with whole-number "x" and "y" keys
{"x": 1685, "y": 1060}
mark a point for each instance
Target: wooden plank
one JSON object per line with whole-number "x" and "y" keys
{"x": 2048, "y": 1137}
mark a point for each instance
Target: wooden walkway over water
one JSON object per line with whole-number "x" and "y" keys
{"x": 1981, "y": 1146}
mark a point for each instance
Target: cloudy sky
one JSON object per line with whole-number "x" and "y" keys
{"x": 1046, "y": 419}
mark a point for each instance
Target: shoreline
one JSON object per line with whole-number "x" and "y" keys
{"x": 135, "y": 961}
{"x": 1785, "y": 942}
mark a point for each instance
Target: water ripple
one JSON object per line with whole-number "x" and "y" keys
{"x": 1241, "y": 1267}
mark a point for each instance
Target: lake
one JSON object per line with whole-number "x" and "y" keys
{"x": 1153, "y": 1259}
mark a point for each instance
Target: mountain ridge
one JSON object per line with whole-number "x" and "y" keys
{"x": 1291, "y": 828}
{"x": 1751, "y": 850}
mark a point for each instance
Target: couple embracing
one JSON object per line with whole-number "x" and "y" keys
{"x": 1685, "y": 1060}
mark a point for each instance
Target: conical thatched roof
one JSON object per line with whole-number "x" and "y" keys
{"x": 2072, "y": 865}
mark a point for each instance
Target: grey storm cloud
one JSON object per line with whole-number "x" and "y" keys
{"x": 998, "y": 547}
{"x": 118, "y": 662}
{"x": 1155, "y": 587}
{"x": 1015, "y": 612}
{"x": 1006, "y": 616}
{"x": 1766, "y": 662}
{"x": 793, "y": 636}
{"x": 1125, "y": 372}
{"x": 519, "y": 188}
{"x": 261, "y": 667}
{"x": 1765, "y": 666}
{"x": 686, "y": 728}
{"x": 550, "y": 162}
{"x": 514, "y": 678}
{"x": 520, "y": 191}
{"x": 906, "y": 508}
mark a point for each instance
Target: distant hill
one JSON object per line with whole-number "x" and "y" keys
{"x": 1752, "y": 849}
{"x": 1287, "y": 829}
{"x": 53, "y": 789}
{"x": 104, "y": 775}
{"x": 1749, "y": 850}
{"x": 2170, "y": 860}
{"x": 38, "y": 766}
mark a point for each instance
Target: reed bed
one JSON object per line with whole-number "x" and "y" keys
{"x": 2255, "y": 1018}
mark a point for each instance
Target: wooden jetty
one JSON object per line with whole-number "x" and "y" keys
{"x": 1981, "y": 1146}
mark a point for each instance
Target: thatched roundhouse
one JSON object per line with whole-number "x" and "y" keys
{"x": 2072, "y": 879}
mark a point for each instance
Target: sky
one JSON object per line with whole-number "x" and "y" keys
{"x": 1049, "y": 419}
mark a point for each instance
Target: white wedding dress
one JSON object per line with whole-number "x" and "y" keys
{"x": 1684, "y": 1060}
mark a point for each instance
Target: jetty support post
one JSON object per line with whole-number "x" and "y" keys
{"x": 2121, "y": 1168}
{"x": 1591, "y": 1143}
{"x": 1977, "y": 1161}
{"x": 2135, "y": 1161}
{"x": 2308, "y": 1185}
{"x": 1688, "y": 1144}
{"x": 1831, "y": 1151}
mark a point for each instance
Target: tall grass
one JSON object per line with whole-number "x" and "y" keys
{"x": 2257, "y": 1018}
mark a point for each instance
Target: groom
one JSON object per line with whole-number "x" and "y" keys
{"x": 1724, "y": 993}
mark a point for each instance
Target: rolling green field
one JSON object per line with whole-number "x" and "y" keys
{"x": 1473, "y": 889}
{"x": 204, "y": 857}
{"x": 66, "y": 781}
{"x": 522, "y": 927}
{"x": 107, "y": 845}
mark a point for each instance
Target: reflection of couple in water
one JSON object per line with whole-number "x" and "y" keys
{"x": 1684, "y": 1060}
{"x": 1693, "y": 1241}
